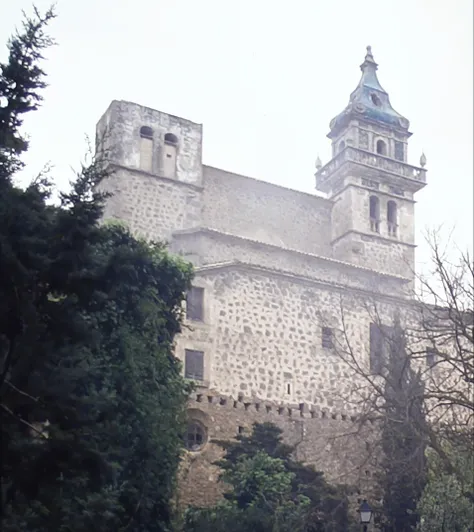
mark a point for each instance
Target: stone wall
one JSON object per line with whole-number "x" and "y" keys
{"x": 263, "y": 335}
{"x": 151, "y": 206}
{"x": 209, "y": 247}
{"x": 324, "y": 439}
{"x": 262, "y": 211}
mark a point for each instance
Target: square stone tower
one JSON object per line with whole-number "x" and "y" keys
{"x": 156, "y": 184}
{"x": 370, "y": 181}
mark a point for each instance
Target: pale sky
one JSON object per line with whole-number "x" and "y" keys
{"x": 264, "y": 77}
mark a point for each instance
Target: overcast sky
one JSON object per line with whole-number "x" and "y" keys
{"x": 265, "y": 77}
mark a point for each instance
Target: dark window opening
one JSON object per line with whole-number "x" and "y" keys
{"x": 195, "y": 304}
{"x": 171, "y": 139}
{"x": 376, "y": 100}
{"x": 381, "y": 147}
{"x": 399, "y": 151}
{"x": 430, "y": 357}
{"x": 194, "y": 365}
{"x": 195, "y": 436}
{"x": 380, "y": 337}
{"x": 327, "y": 338}
{"x": 392, "y": 218}
{"x": 374, "y": 214}
{"x": 288, "y": 389}
{"x": 241, "y": 430}
{"x": 146, "y": 132}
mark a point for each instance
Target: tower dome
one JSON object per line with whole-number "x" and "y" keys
{"x": 369, "y": 101}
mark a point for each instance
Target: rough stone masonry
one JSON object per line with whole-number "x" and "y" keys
{"x": 277, "y": 271}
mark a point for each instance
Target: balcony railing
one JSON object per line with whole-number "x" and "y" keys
{"x": 392, "y": 229}
{"x": 372, "y": 160}
{"x": 375, "y": 225}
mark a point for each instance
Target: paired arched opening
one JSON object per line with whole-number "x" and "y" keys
{"x": 374, "y": 214}
{"x": 392, "y": 215}
{"x": 168, "y": 155}
{"x": 146, "y": 148}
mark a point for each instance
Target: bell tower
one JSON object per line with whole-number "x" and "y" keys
{"x": 370, "y": 181}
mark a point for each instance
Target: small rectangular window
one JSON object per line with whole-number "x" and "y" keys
{"x": 430, "y": 357}
{"x": 327, "y": 340}
{"x": 376, "y": 349}
{"x": 195, "y": 304}
{"x": 380, "y": 343}
{"x": 194, "y": 365}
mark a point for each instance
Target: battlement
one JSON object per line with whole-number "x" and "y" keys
{"x": 267, "y": 409}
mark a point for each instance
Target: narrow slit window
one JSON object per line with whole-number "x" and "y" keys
{"x": 392, "y": 218}
{"x": 374, "y": 214}
{"x": 170, "y": 151}
{"x": 146, "y": 148}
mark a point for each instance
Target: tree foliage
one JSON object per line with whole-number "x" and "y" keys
{"x": 433, "y": 404}
{"x": 402, "y": 475}
{"x": 447, "y": 504}
{"x": 92, "y": 399}
{"x": 269, "y": 491}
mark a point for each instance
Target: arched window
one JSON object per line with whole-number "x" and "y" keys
{"x": 381, "y": 147}
{"x": 374, "y": 214}
{"x": 171, "y": 139}
{"x": 392, "y": 218}
{"x": 146, "y": 148}
{"x": 342, "y": 145}
{"x": 169, "y": 155}
{"x": 146, "y": 132}
{"x": 195, "y": 437}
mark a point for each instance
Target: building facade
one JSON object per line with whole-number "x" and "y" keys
{"x": 279, "y": 273}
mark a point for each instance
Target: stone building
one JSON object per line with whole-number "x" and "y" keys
{"x": 277, "y": 271}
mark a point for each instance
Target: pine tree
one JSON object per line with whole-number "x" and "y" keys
{"x": 403, "y": 444}
{"x": 91, "y": 396}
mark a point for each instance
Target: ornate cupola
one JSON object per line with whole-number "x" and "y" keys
{"x": 370, "y": 102}
{"x": 370, "y": 180}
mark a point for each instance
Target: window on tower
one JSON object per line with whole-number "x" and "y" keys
{"x": 146, "y": 148}
{"x": 392, "y": 218}
{"x": 381, "y": 147}
{"x": 169, "y": 155}
{"x": 374, "y": 214}
{"x": 342, "y": 145}
{"x": 399, "y": 151}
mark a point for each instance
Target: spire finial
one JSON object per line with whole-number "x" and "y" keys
{"x": 423, "y": 159}
{"x": 368, "y": 60}
{"x": 318, "y": 164}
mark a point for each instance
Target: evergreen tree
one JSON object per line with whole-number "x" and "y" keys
{"x": 403, "y": 444}
{"x": 91, "y": 396}
{"x": 269, "y": 491}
